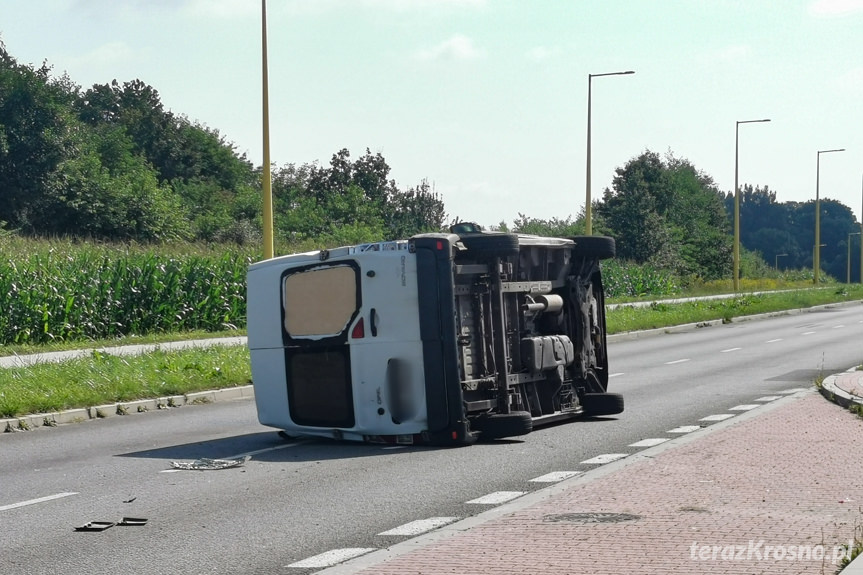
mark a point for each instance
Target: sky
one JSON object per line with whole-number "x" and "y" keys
{"x": 487, "y": 99}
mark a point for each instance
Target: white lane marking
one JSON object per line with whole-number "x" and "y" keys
{"x": 792, "y": 390}
{"x": 769, "y": 398}
{"x": 169, "y": 471}
{"x": 838, "y": 326}
{"x": 676, "y": 361}
{"x": 649, "y": 442}
{"x": 419, "y": 526}
{"x": 604, "y": 458}
{"x": 717, "y": 417}
{"x": 807, "y": 333}
{"x": 332, "y": 557}
{"x": 745, "y": 407}
{"x": 773, "y": 340}
{"x": 615, "y": 374}
{"x": 555, "y": 476}
{"x": 35, "y": 501}
{"x": 496, "y": 497}
{"x": 730, "y": 349}
{"x": 684, "y": 429}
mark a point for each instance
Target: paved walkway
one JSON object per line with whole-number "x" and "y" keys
{"x": 777, "y": 490}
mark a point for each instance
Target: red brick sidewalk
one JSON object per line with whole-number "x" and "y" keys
{"x": 788, "y": 478}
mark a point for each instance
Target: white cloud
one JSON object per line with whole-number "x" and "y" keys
{"x": 733, "y": 53}
{"x": 543, "y": 53}
{"x": 105, "y": 55}
{"x": 851, "y": 81}
{"x": 456, "y": 48}
{"x": 404, "y": 5}
{"x": 835, "y": 7}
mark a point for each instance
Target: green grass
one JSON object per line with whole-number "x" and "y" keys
{"x": 658, "y": 315}
{"x": 103, "y": 378}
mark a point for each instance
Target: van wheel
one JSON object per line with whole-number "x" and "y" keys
{"x": 490, "y": 245}
{"x": 602, "y": 403}
{"x": 500, "y": 425}
{"x": 599, "y": 247}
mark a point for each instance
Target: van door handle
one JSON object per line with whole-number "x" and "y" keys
{"x": 373, "y": 322}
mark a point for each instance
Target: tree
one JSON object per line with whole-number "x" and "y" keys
{"x": 667, "y": 213}
{"x": 36, "y": 130}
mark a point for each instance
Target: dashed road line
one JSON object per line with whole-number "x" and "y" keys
{"x": 555, "y": 476}
{"x": 745, "y": 407}
{"x": 650, "y": 442}
{"x": 38, "y": 500}
{"x": 604, "y": 458}
{"x": 731, "y": 349}
{"x": 767, "y": 398}
{"x": 685, "y": 429}
{"x": 717, "y": 417}
{"x": 807, "y": 333}
{"x": 773, "y": 340}
{"x": 332, "y": 557}
{"x": 419, "y": 526}
{"x": 615, "y": 374}
{"x": 676, "y": 361}
{"x": 838, "y": 326}
{"x": 496, "y": 497}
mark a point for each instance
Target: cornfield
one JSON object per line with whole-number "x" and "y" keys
{"x": 623, "y": 279}
{"x": 52, "y": 291}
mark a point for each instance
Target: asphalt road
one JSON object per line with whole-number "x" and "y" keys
{"x": 294, "y": 500}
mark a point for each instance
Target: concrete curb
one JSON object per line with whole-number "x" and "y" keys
{"x": 836, "y": 394}
{"x": 30, "y": 422}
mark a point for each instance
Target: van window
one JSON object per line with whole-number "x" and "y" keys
{"x": 320, "y": 302}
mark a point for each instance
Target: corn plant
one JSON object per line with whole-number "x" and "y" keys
{"x": 67, "y": 291}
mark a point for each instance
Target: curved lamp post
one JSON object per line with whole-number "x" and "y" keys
{"x": 816, "y": 259}
{"x": 587, "y": 206}
{"x": 737, "y": 203}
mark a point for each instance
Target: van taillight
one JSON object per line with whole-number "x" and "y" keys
{"x": 359, "y": 331}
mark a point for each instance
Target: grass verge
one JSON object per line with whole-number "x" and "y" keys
{"x": 658, "y": 314}
{"x": 103, "y": 378}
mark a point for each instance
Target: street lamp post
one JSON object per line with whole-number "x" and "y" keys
{"x": 587, "y": 207}
{"x": 848, "y": 270}
{"x": 817, "y": 255}
{"x": 776, "y": 264}
{"x": 266, "y": 183}
{"x": 861, "y": 243}
{"x": 737, "y": 202}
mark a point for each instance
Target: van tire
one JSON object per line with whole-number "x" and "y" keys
{"x": 596, "y": 404}
{"x": 499, "y": 425}
{"x": 599, "y": 247}
{"x": 489, "y": 245}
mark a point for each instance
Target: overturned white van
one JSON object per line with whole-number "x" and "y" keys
{"x": 443, "y": 338}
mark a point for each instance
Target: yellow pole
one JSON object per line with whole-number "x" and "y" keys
{"x": 267, "y": 177}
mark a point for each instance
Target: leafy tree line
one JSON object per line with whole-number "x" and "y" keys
{"x": 668, "y": 215}
{"x": 111, "y": 162}
{"x": 784, "y": 232}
